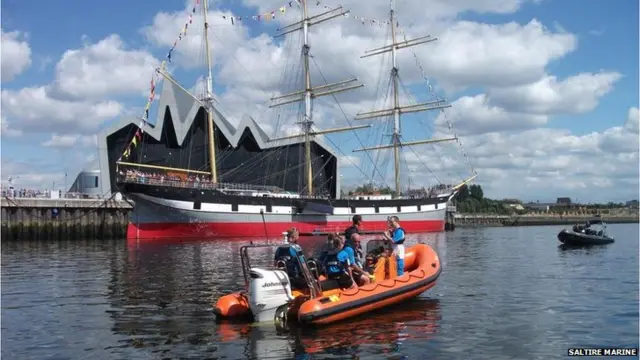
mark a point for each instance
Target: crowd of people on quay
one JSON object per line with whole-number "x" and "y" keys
{"x": 161, "y": 177}
{"x": 10, "y": 191}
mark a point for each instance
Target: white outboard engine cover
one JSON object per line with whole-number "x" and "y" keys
{"x": 268, "y": 290}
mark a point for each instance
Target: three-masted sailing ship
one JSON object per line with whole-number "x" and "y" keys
{"x": 187, "y": 202}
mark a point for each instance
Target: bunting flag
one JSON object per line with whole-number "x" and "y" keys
{"x": 282, "y": 10}
{"x": 183, "y": 32}
{"x": 155, "y": 78}
{"x": 433, "y": 93}
{"x": 137, "y": 137}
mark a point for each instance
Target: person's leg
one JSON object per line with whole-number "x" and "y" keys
{"x": 400, "y": 265}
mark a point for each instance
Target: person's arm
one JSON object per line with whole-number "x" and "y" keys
{"x": 397, "y": 235}
{"x": 354, "y": 266}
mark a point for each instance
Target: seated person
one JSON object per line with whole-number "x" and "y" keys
{"x": 337, "y": 263}
{"x": 359, "y": 275}
{"x": 325, "y": 250}
{"x": 288, "y": 256}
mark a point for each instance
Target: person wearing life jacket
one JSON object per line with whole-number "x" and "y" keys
{"x": 289, "y": 256}
{"x": 354, "y": 228}
{"x": 337, "y": 264}
{"x": 326, "y": 248}
{"x": 359, "y": 274}
{"x": 396, "y": 235}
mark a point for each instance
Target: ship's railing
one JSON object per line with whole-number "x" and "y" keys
{"x": 136, "y": 179}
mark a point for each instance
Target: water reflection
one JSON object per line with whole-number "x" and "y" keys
{"x": 505, "y": 293}
{"x": 382, "y": 332}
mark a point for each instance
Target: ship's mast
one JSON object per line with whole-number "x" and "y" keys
{"x": 309, "y": 93}
{"x": 397, "y": 110}
{"x": 396, "y": 101}
{"x": 208, "y": 100}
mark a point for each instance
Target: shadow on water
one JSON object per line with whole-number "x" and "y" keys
{"x": 587, "y": 249}
{"x": 379, "y": 333}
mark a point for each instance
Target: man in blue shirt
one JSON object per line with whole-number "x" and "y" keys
{"x": 338, "y": 265}
{"x": 396, "y": 236}
{"x": 359, "y": 274}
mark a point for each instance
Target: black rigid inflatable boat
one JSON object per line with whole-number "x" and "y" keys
{"x": 584, "y": 235}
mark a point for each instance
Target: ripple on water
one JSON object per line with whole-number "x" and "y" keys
{"x": 505, "y": 293}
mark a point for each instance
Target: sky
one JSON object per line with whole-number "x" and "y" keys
{"x": 544, "y": 93}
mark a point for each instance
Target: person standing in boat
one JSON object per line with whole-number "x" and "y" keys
{"x": 355, "y": 228}
{"x": 338, "y": 265}
{"x": 396, "y": 235}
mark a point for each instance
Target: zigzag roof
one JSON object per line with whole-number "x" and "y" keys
{"x": 183, "y": 109}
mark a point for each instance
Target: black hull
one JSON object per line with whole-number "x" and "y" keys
{"x": 577, "y": 239}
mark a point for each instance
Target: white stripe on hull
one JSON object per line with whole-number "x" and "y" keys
{"x": 149, "y": 209}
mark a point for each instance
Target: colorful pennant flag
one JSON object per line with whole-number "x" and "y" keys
{"x": 154, "y": 80}
{"x": 268, "y": 16}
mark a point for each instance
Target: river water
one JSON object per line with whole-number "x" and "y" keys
{"x": 505, "y": 293}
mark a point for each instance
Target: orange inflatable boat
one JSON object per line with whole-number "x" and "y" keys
{"x": 315, "y": 300}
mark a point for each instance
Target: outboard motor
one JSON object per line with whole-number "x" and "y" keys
{"x": 269, "y": 290}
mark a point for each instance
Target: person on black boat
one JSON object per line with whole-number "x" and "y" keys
{"x": 288, "y": 255}
{"x": 396, "y": 235}
{"x": 337, "y": 263}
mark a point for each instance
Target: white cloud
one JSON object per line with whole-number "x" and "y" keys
{"x": 474, "y": 54}
{"x": 70, "y": 140}
{"x": 83, "y": 95}
{"x": 6, "y": 130}
{"x": 35, "y": 110}
{"x": 16, "y": 54}
{"x": 472, "y": 115}
{"x": 545, "y": 163}
{"x": 632, "y": 120}
{"x": 27, "y": 175}
{"x": 528, "y": 106}
{"x": 576, "y": 94}
{"x": 106, "y": 68}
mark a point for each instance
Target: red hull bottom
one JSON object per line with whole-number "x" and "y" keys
{"x": 240, "y": 231}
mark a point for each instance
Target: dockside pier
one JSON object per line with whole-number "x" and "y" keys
{"x": 60, "y": 219}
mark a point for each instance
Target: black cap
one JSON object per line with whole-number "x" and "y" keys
{"x": 357, "y": 218}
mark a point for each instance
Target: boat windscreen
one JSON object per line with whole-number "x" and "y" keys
{"x": 375, "y": 244}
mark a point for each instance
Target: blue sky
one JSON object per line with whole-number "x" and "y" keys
{"x": 606, "y": 33}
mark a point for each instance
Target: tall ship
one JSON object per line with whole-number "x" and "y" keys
{"x": 194, "y": 174}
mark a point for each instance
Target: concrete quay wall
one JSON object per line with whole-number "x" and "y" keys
{"x": 62, "y": 219}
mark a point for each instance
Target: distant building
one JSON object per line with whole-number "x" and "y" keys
{"x": 87, "y": 184}
{"x": 563, "y": 201}
{"x": 539, "y": 206}
{"x": 632, "y": 203}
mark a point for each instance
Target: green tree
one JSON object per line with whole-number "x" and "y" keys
{"x": 463, "y": 193}
{"x": 475, "y": 191}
